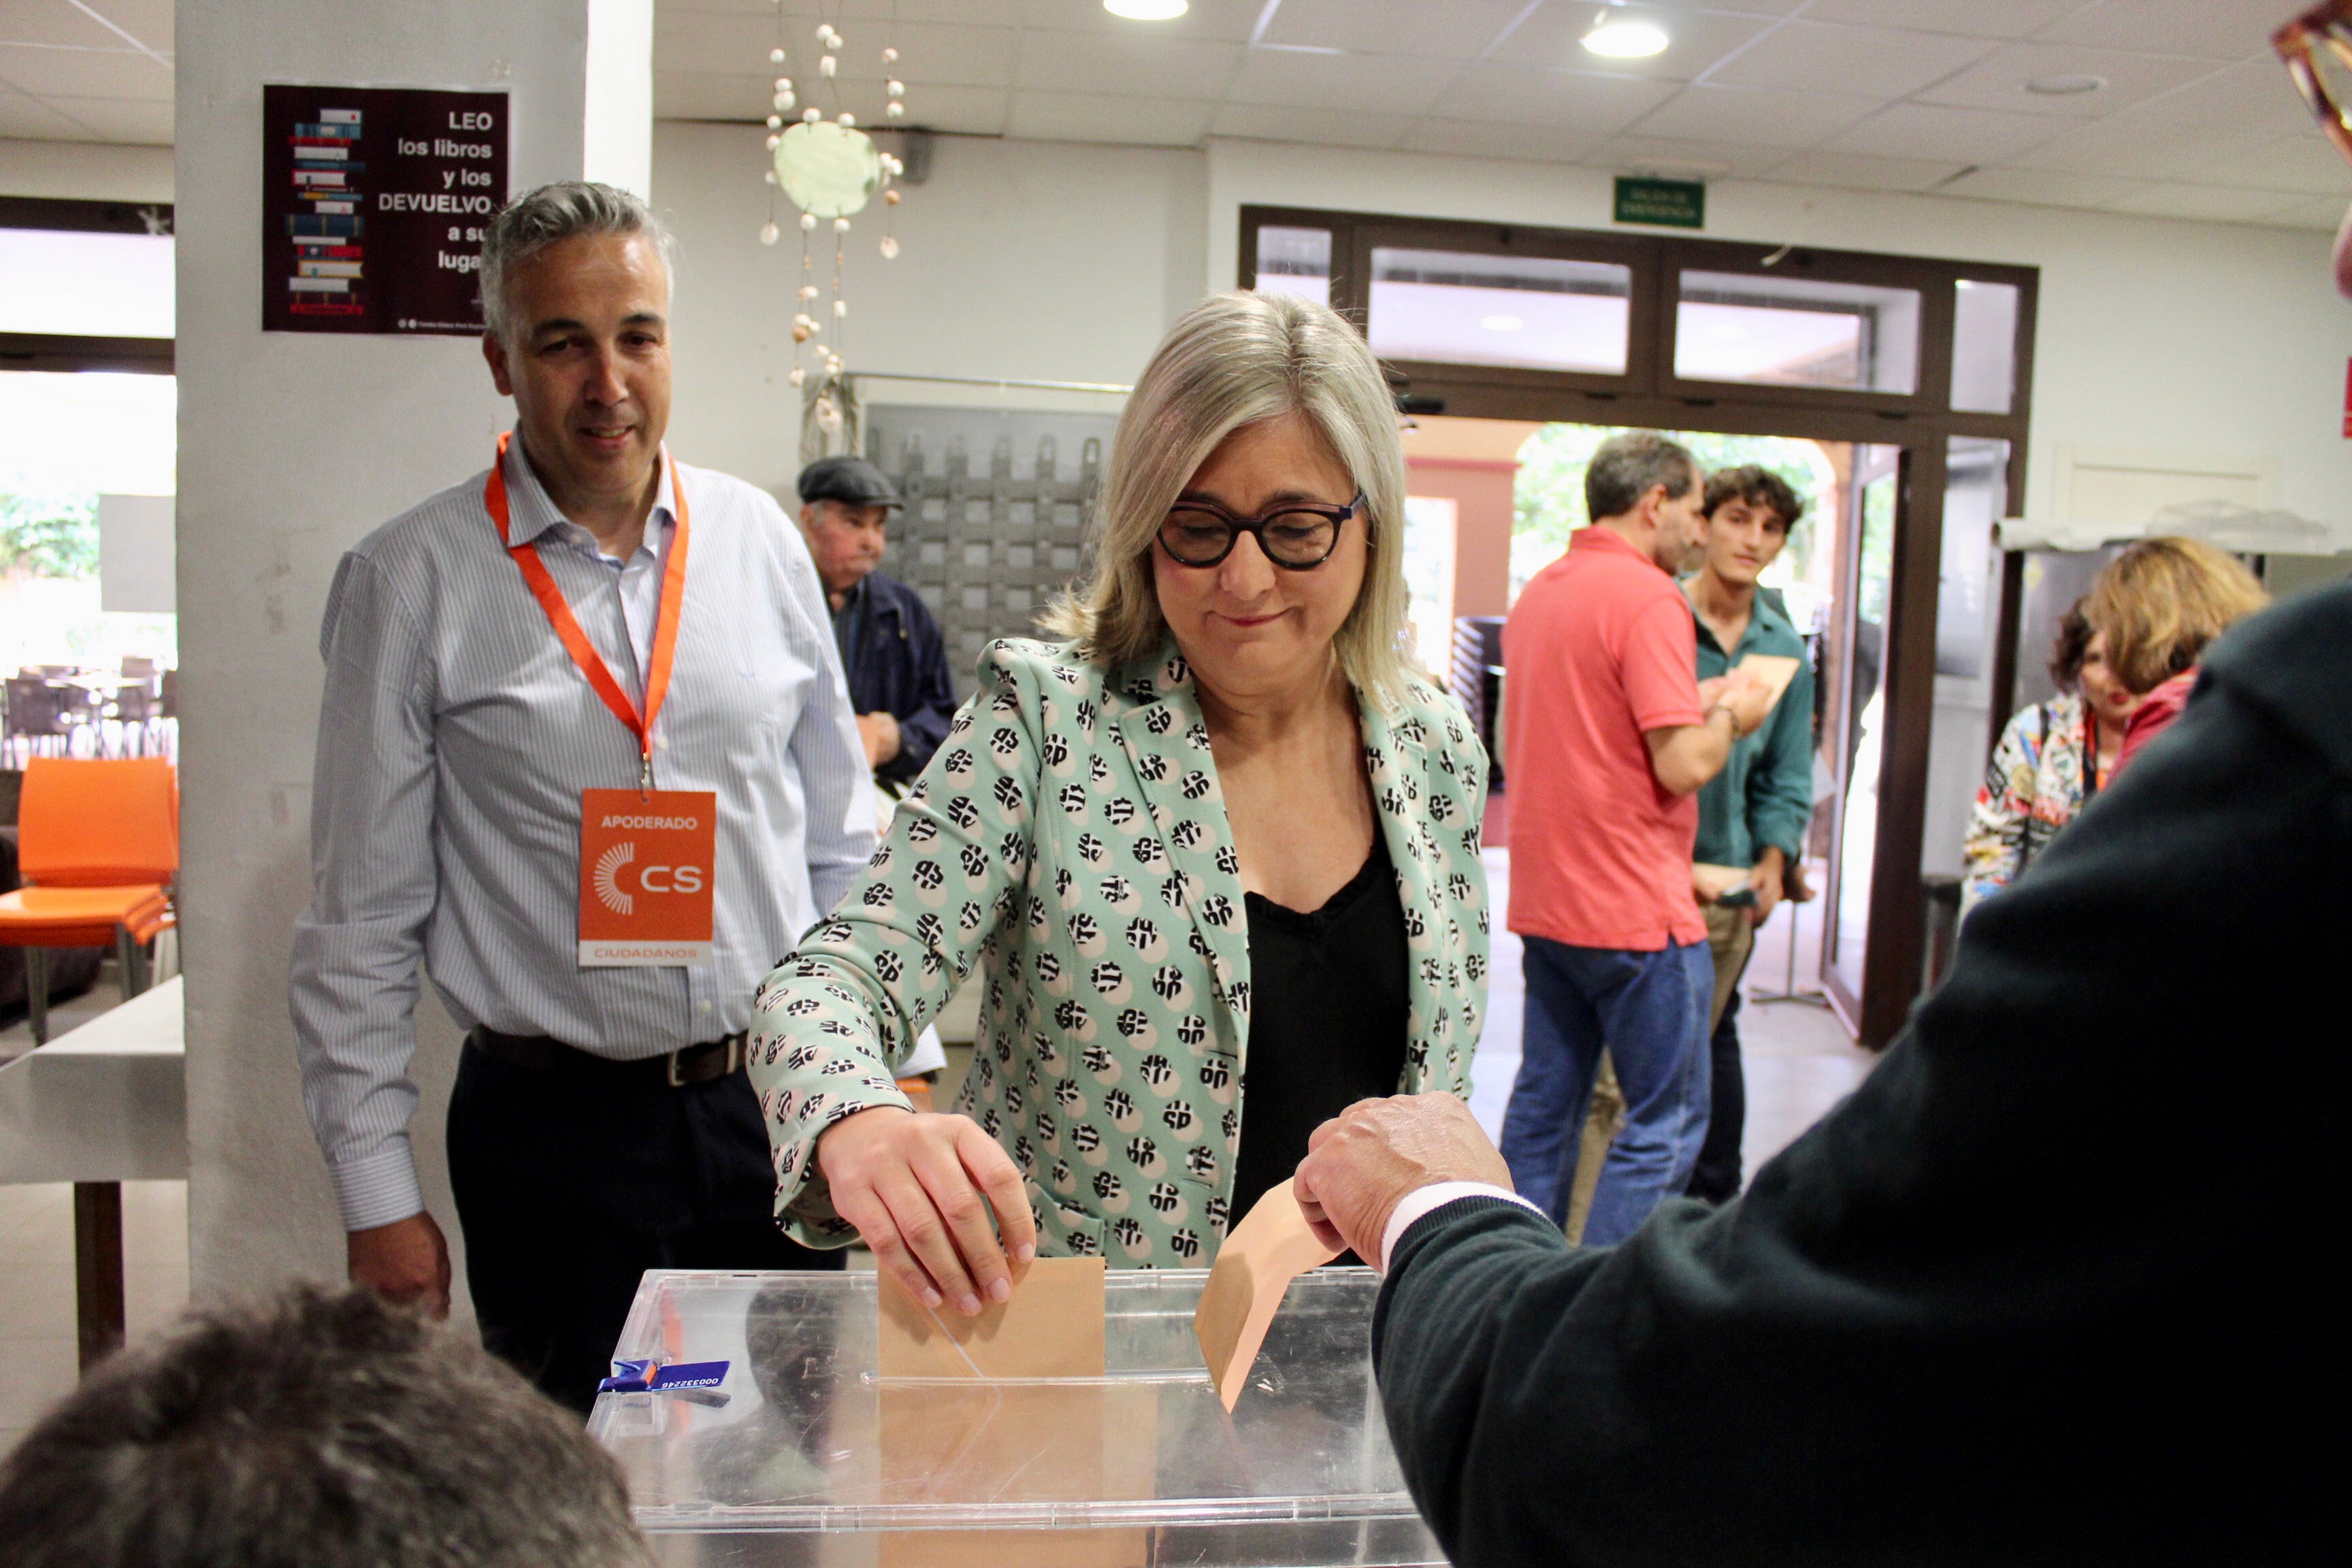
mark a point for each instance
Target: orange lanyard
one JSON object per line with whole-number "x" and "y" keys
{"x": 567, "y": 625}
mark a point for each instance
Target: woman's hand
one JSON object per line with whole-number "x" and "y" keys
{"x": 912, "y": 1185}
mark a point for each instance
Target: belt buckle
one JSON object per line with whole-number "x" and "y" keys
{"x": 736, "y": 1056}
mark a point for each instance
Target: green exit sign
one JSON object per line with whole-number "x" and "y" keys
{"x": 1671, "y": 204}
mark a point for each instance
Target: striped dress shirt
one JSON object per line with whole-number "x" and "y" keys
{"x": 455, "y": 737}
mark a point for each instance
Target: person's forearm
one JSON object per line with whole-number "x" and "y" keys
{"x": 1690, "y": 754}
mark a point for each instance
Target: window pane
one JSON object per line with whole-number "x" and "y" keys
{"x": 1295, "y": 261}
{"x": 1976, "y": 495}
{"x": 1984, "y": 347}
{"x": 1797, "y": 331}
{"x": 1530, "y": 311}
{"x": 85, "y": 285}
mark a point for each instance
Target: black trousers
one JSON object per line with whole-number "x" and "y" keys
{"x": 569, "y": 1188}
{"x": 1718, "y": 1176}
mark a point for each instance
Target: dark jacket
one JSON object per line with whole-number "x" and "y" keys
{"x": 2058, "y": 1284}
{"x": 901, "y": 669}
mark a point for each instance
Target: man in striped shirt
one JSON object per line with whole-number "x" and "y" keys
{"x": 587, "y": 615}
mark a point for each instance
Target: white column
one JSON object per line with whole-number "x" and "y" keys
{"x": 291, "y": 448}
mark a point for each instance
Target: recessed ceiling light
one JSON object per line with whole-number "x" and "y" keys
{"x": 2065, "y": 85}
{"x": 1627, "y": 40}
{"x": 1147, "y": 10}
{"x": 1501, "y": 323}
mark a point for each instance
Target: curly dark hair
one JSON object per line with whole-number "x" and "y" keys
{"x": 1758, "y": 486}
{"x": 2073, "y": 642}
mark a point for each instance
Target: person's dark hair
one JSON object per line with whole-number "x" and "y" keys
{"x": 313, "y": 1430}
{"x": 1626, "y": 466}
{"x": 1757, "y": 486}
{"x": 2073, "y": 645}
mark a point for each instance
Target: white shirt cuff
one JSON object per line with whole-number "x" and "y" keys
{"x": 1422, "y": 1201}
{"x": 379, "y": 1188}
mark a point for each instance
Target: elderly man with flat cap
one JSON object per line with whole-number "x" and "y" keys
{"x": 891, "y": 648}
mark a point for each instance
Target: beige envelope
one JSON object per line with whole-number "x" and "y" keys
{"x": 1271, "y": 1247}
{"x": 1774, "y": 669}
{"x": 1038, "y": 1424}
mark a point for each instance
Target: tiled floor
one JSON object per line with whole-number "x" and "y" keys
{"x": 38, "y": 1339}
{"x": 1800, "y": 1062}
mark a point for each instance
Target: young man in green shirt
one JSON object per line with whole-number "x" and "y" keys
{"x": 1754, "y": 813}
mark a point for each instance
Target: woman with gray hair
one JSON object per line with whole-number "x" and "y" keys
{"x": 1216, "y": 850}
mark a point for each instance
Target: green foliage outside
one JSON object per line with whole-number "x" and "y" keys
{"x": 48, "y": 536}
{"x": 1549, "y": 499}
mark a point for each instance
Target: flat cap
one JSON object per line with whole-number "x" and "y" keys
{"x": 852, "y": 481}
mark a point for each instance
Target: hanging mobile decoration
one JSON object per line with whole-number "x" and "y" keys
{"x": 830, "y": 170}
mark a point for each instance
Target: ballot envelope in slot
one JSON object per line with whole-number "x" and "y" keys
{"x": 803, "y": 1453}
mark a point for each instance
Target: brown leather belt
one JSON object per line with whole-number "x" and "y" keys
{"x": 677, "y": 1069}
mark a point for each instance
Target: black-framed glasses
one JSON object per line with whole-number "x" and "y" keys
{"x": 2317, "y": 49}
{"x": 1296, "y": 535}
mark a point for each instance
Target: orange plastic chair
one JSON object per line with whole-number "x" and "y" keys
{"x": 97, "y": 843}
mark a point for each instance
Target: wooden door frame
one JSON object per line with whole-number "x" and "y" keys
{"x": 1921, "y": 424}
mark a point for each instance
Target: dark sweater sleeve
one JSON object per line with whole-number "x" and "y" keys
{"x": 2043, "y": 1290}
{"x": 932, "y": 707}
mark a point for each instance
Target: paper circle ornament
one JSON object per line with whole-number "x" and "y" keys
{"x": 830, "y": 171}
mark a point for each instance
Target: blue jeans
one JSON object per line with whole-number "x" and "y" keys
{"x": 1649, "y": 1009}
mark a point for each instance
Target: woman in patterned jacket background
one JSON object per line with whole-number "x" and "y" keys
{"x": 1215, "y": 855}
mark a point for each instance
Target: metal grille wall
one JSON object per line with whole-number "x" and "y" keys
{"x": 997, "y": 508}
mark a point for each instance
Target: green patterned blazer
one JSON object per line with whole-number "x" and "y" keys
{"x": 1069, "y": 838}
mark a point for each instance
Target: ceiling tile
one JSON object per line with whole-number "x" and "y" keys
{"x": 960, "y": 57}
{"x": 727, "y": 43}
{"x": 1392, "y": 84}
{"x": 1161, "y": 67}
{"x": 1708, "y": 113}
{"x": 1961, "y": 135}
{"x": 1554, "y": 37}
{"x": 2215, "y": 203}
{"x": 1268, "y": 123}
{"x": 1659, "y": 155}
{"x": 1225, "y": 21}
{"x": 1874, "y": 60}
{"x": 2195, "y": 27}
{"x": 1856, "y": 171}
{"x": 23, "y": 115}
{"x": 149, "y": 21}
{"x": 1102, "y": 117}
{"x": 2253, "y": 96}
{"x": 86, "y": 73}
{"x": 2307, "y": 164}
{"x": 1511, "y": 93}
{"x": 120, "y": 119}
{"x": 1472, "y": 139}
{"x": 2041, "y": 187}
{"x": 971, "y": 110}
{"x": 1976, "y": 18}
{"x": 2327, "y": 215}
{"x": 53, "y": 22}
{"x": 2134, "y": 145}
{"x": 1999, "y": 82}
{"x": 1457, "y": 30}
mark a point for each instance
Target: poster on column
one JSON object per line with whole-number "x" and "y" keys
{"x": 374, "y": 200}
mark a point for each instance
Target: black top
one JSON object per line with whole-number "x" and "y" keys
{"x": 2036, "y": 1292}
{"x": 1327, "y": 1009}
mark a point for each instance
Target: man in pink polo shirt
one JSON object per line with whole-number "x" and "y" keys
{"x": 1608, "y": 735}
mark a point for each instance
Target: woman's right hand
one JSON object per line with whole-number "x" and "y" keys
{"x": 912, "y": 1185}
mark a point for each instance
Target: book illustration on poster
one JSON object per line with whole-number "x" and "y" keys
{"x": 327, "y": 228}
{"x": 375, "y": 204}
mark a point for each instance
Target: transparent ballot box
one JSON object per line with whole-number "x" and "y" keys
{"x": 804, "y": 1454}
